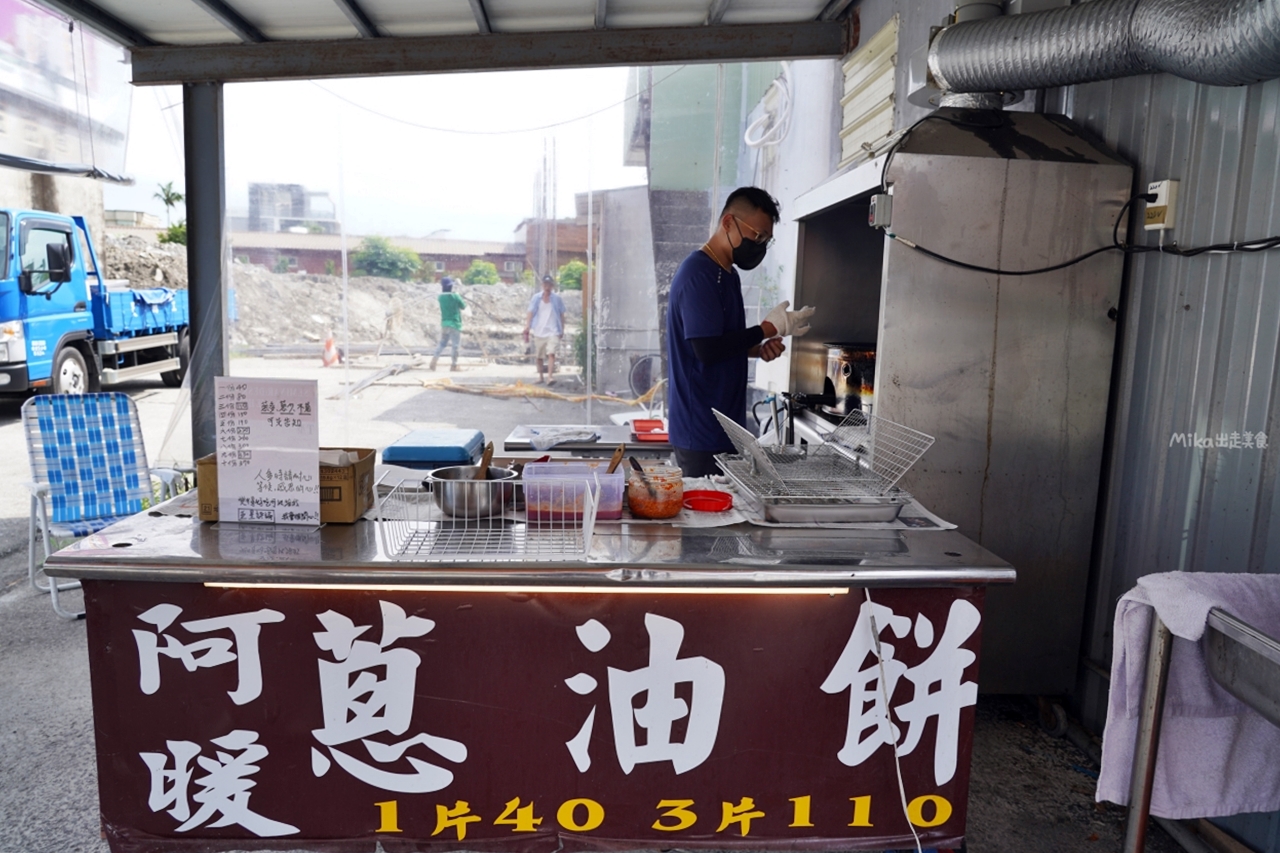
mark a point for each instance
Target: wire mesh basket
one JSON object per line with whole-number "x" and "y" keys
{"x": 850, "y": 477}
{"x": 864, "y": 456}
{"x": 884, "y": 448}
{"x": 489, "y": 520}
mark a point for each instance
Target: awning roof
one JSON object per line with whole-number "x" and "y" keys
{"x": 203, "y": 40}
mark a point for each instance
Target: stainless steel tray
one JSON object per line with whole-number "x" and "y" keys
{"x": 832, "y": 509}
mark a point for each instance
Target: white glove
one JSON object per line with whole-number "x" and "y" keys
{"x": 794, "y": 323}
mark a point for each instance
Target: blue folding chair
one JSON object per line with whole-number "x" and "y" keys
{"x": 89, "y": 470}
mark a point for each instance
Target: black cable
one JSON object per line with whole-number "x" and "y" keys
{"x": 1115, "y": 229}
{"x": 1261, "y": 244}
{"x": 953, "y": 262}
{"x": 897, "y": 143}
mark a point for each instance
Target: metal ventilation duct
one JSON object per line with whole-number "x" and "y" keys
{"x": 1224, "y": 43}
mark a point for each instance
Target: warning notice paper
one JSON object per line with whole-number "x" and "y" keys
{"x": 268, "y": 450}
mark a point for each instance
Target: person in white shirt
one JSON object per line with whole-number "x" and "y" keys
{"x": 546, "y": 324}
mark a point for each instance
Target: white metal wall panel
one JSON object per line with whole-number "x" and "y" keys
{"x": 299, "y": 19}
{"x": 656, "y": 13}
{"x": 421, "y": 17}
{"x": 867, "y": 102}
{"x": 517, "y": 16}
{"x": 170, "y": 22}
{"x": 771, "y": 11}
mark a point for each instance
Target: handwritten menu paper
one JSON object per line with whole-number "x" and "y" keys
{"x": 268, "y": 450}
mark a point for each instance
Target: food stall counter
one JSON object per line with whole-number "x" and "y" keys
{"x": 725, "y": 687}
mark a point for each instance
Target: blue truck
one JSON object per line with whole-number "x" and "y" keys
{"x": 65, "y": 328}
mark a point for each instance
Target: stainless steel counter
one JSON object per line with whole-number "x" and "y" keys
{"x": 159, "y": 547}
{"x": 611, "y": 435}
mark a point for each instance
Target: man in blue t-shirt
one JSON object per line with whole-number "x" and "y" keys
{"x": 708, "y": 342}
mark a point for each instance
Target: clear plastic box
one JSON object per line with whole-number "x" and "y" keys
{"x": 552, "y": 500}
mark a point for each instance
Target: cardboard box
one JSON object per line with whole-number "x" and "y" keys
{"x": 346, "y": 492}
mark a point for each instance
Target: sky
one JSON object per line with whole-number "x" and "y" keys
{"x": 353, "y": 138}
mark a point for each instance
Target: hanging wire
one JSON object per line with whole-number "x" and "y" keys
{"x": 88, "y": 106}
{"x": 408, "y": 123}
{"x": 884, "y": 693}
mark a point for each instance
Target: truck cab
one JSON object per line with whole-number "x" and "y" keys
{"x": 63, "y": 327}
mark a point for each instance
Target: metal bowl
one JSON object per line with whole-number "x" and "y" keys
{"x": 460, "y": 495}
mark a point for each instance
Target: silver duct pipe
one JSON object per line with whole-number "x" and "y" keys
{"x": 1216, "y": 42}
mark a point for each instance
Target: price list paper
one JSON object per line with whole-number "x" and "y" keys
{"x": 268, "y": 450}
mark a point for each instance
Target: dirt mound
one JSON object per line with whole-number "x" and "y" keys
{"x": 143, "y": 263}
{"x": 300, "y": 308}
{"x": 297, "y": 309}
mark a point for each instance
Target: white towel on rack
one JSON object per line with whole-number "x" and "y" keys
{"x": 1216, "y": 756}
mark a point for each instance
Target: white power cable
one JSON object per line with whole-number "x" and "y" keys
{"x": 772, "y": 127}
{"x": 884, "y": 693}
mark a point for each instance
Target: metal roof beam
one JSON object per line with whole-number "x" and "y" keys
{"x": 300, "y": 60}
{"x": 232, "y": 20}
{"x": 101, "y": 21}
{"x": 601, "y": 13}
{"x": 482, "y": 17}
{"x": 716, "y": 12}
{"x": 359, "y": 18}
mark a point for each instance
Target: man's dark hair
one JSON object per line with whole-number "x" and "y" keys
{"x": 446, "y": 284}
{"x": 752, "y": 197}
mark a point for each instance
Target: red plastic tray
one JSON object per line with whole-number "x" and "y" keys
{"x": 708, "y": 500}
{"x": 648, "y": 429}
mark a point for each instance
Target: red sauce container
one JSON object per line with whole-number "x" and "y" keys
{"x": 667, "y": 497}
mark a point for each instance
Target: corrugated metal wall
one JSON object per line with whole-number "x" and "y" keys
{"x": 1199, "y": 355}
{"x": 1200, "y": 339}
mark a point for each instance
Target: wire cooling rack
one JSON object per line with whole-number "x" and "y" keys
{"x": 556, "y": 522}
{"x": 882, "y": 447}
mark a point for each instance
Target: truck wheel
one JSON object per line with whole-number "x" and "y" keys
{"x": 70, "y": 374}
{"x": 173, "y": 378}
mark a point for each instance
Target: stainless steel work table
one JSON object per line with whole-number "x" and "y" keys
{"x": 158, "y": 547}
{"x": 733, "y": 687}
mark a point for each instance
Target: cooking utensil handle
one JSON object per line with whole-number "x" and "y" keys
{"x": 616, "y": 460}
{"x": 635, "y": 463}
{"x": 487, "y": 458}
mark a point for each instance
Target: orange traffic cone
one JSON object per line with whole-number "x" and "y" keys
{"x": 330, "y": 355}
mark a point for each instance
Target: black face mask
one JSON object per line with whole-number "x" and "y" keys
{"x": 748, "y": 254}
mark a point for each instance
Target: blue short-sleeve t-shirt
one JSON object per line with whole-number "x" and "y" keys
{"x": 705, "y": 302}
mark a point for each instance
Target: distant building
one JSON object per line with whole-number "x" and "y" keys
{"x": 550, "y": 245}
{"x": 131, "y": 219}
{"x": 318, "y": 253}
{"x": 290, "y": 207}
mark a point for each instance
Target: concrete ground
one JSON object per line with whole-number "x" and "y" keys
{"x": 1030, "y": 793}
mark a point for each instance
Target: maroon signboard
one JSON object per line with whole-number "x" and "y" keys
{"x": 323, "y": 719}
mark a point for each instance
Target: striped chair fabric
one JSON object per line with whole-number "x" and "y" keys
{"x": 88, "y": 449}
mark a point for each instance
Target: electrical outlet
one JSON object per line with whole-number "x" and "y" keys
{"x": 881, "y": 213}
{"x": 1161, "y": 214}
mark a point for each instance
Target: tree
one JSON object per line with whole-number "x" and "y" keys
{"x": 571, "y": 275}
{"x": 170, "y": 197}
{"x": 174, "y": 233}
{"x": 376, "y": 256}
{"x": 481, "y": 272}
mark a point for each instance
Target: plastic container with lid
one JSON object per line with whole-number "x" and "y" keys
{"x": 666, "y": 498}
{"x": 553, "y": 491}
